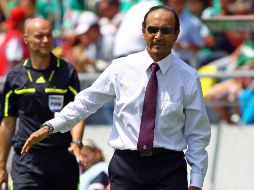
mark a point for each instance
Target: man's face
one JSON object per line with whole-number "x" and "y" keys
{"x": 39, "y": 38}
{"x": 160, "y": 42}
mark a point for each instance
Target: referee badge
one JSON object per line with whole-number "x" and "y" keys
{"x": 56, "y": 103}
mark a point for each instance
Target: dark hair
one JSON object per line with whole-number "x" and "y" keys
{"x": 167, "y": 8}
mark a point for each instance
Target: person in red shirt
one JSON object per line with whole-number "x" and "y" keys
{"x": 12, "y": 46}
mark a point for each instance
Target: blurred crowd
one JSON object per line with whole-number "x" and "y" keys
{"x": 90, "y": 33}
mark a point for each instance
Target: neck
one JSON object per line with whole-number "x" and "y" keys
{"x": 40, "y": 62}
{"x": 158, "y": 57}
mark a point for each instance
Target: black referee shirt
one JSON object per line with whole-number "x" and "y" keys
{"x": 34, "y": 95}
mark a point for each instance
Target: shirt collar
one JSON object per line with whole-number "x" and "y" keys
{"x": 53, "y": 62}
{"x": 164, "y": 64}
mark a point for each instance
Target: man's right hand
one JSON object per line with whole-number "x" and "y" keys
{"x": 3, "y": 179}
{"x": 34, "y": 138}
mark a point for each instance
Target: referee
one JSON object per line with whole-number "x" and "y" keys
{"x": 33, "y": 91}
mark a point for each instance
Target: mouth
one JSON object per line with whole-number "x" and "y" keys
{"x": 45, "y": 47}
{"x": 158, "y": 45}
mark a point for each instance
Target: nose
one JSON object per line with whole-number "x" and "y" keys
{"x": 45, "y": 39}
{"x": 158, "y": 34}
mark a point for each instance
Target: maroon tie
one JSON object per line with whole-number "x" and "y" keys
{"x": 146, "y": 134}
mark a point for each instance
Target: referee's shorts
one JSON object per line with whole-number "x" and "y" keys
{"x": 52, "y": 168}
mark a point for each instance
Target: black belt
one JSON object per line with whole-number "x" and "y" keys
{"x": 153, "y": 152}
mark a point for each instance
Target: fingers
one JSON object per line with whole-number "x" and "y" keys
{"x": 70, "y": 150}
{"x": 81, "y": 160}
{"x": 26, "y": 147}
{"x": 3, "y": 180}
{"x": 193, "y": 188}
{"x": 33, "y": 139}
{"x": 28, "y": 144}
{"x": 74, "y": 149}
{"x": 4, "y": 186}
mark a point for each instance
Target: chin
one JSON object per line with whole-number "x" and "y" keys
{"x": 45, "y": 53}
{"x": 157, "y": 53}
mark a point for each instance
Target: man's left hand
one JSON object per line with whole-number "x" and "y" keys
{"x": 75, "y": 150}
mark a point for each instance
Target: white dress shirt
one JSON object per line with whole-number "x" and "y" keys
{"x": 181, "y": 119}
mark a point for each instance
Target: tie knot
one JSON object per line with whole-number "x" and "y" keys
{"x": 154, "y": 67}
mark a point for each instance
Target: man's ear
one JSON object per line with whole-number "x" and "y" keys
{"x": 143, "y": 31}
{"x": 176, "y": 34}
{"x": 25, "y": 39}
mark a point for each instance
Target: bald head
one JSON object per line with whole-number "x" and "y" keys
{"x": 38, "y": 36}
{"x": 36, "y": 23}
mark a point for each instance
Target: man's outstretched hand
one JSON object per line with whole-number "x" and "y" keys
{"x": 34, "y": 138}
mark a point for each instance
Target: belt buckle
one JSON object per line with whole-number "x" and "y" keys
{"x": 147, "y": 154}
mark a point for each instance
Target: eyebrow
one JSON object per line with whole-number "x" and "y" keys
{"x": 160, "y": 26}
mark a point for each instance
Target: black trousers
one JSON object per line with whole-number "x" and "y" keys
{"x": 53, "y": 168}
{"x": 128, "y": 170}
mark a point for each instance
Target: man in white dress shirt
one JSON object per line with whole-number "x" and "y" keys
{"x": 181, "y": 121}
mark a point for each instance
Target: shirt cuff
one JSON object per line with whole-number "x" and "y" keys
{"x": 196, "y": 180}
{"x": 58, "y": 124}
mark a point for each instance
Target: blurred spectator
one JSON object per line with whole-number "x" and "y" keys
{"x": 213, "y": 9}
{"x": 70, "y": 14}
{"x": 85, "y": 58}
{"x": 196, "y": 7}
{"x": 2, "y": 16}
{"x": 224, "y": 95}
{"x": 84, "y": 53}
{"x": 109, "y": 20}
{"x": 94, "y": 175}
{"x": 7, "y": 5}
{"x": 189, "y": 40}
{"x": 241, "y": 7}
{"x": 29, "y": 6}
{"x": 218, "y": 44}
{"x": 109, "y": 10}
{"x": 246, "y": 102}
{"x": 12, "y": 46}
{"x": 79, "y": 48}
{"x": 229, "y": 7}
